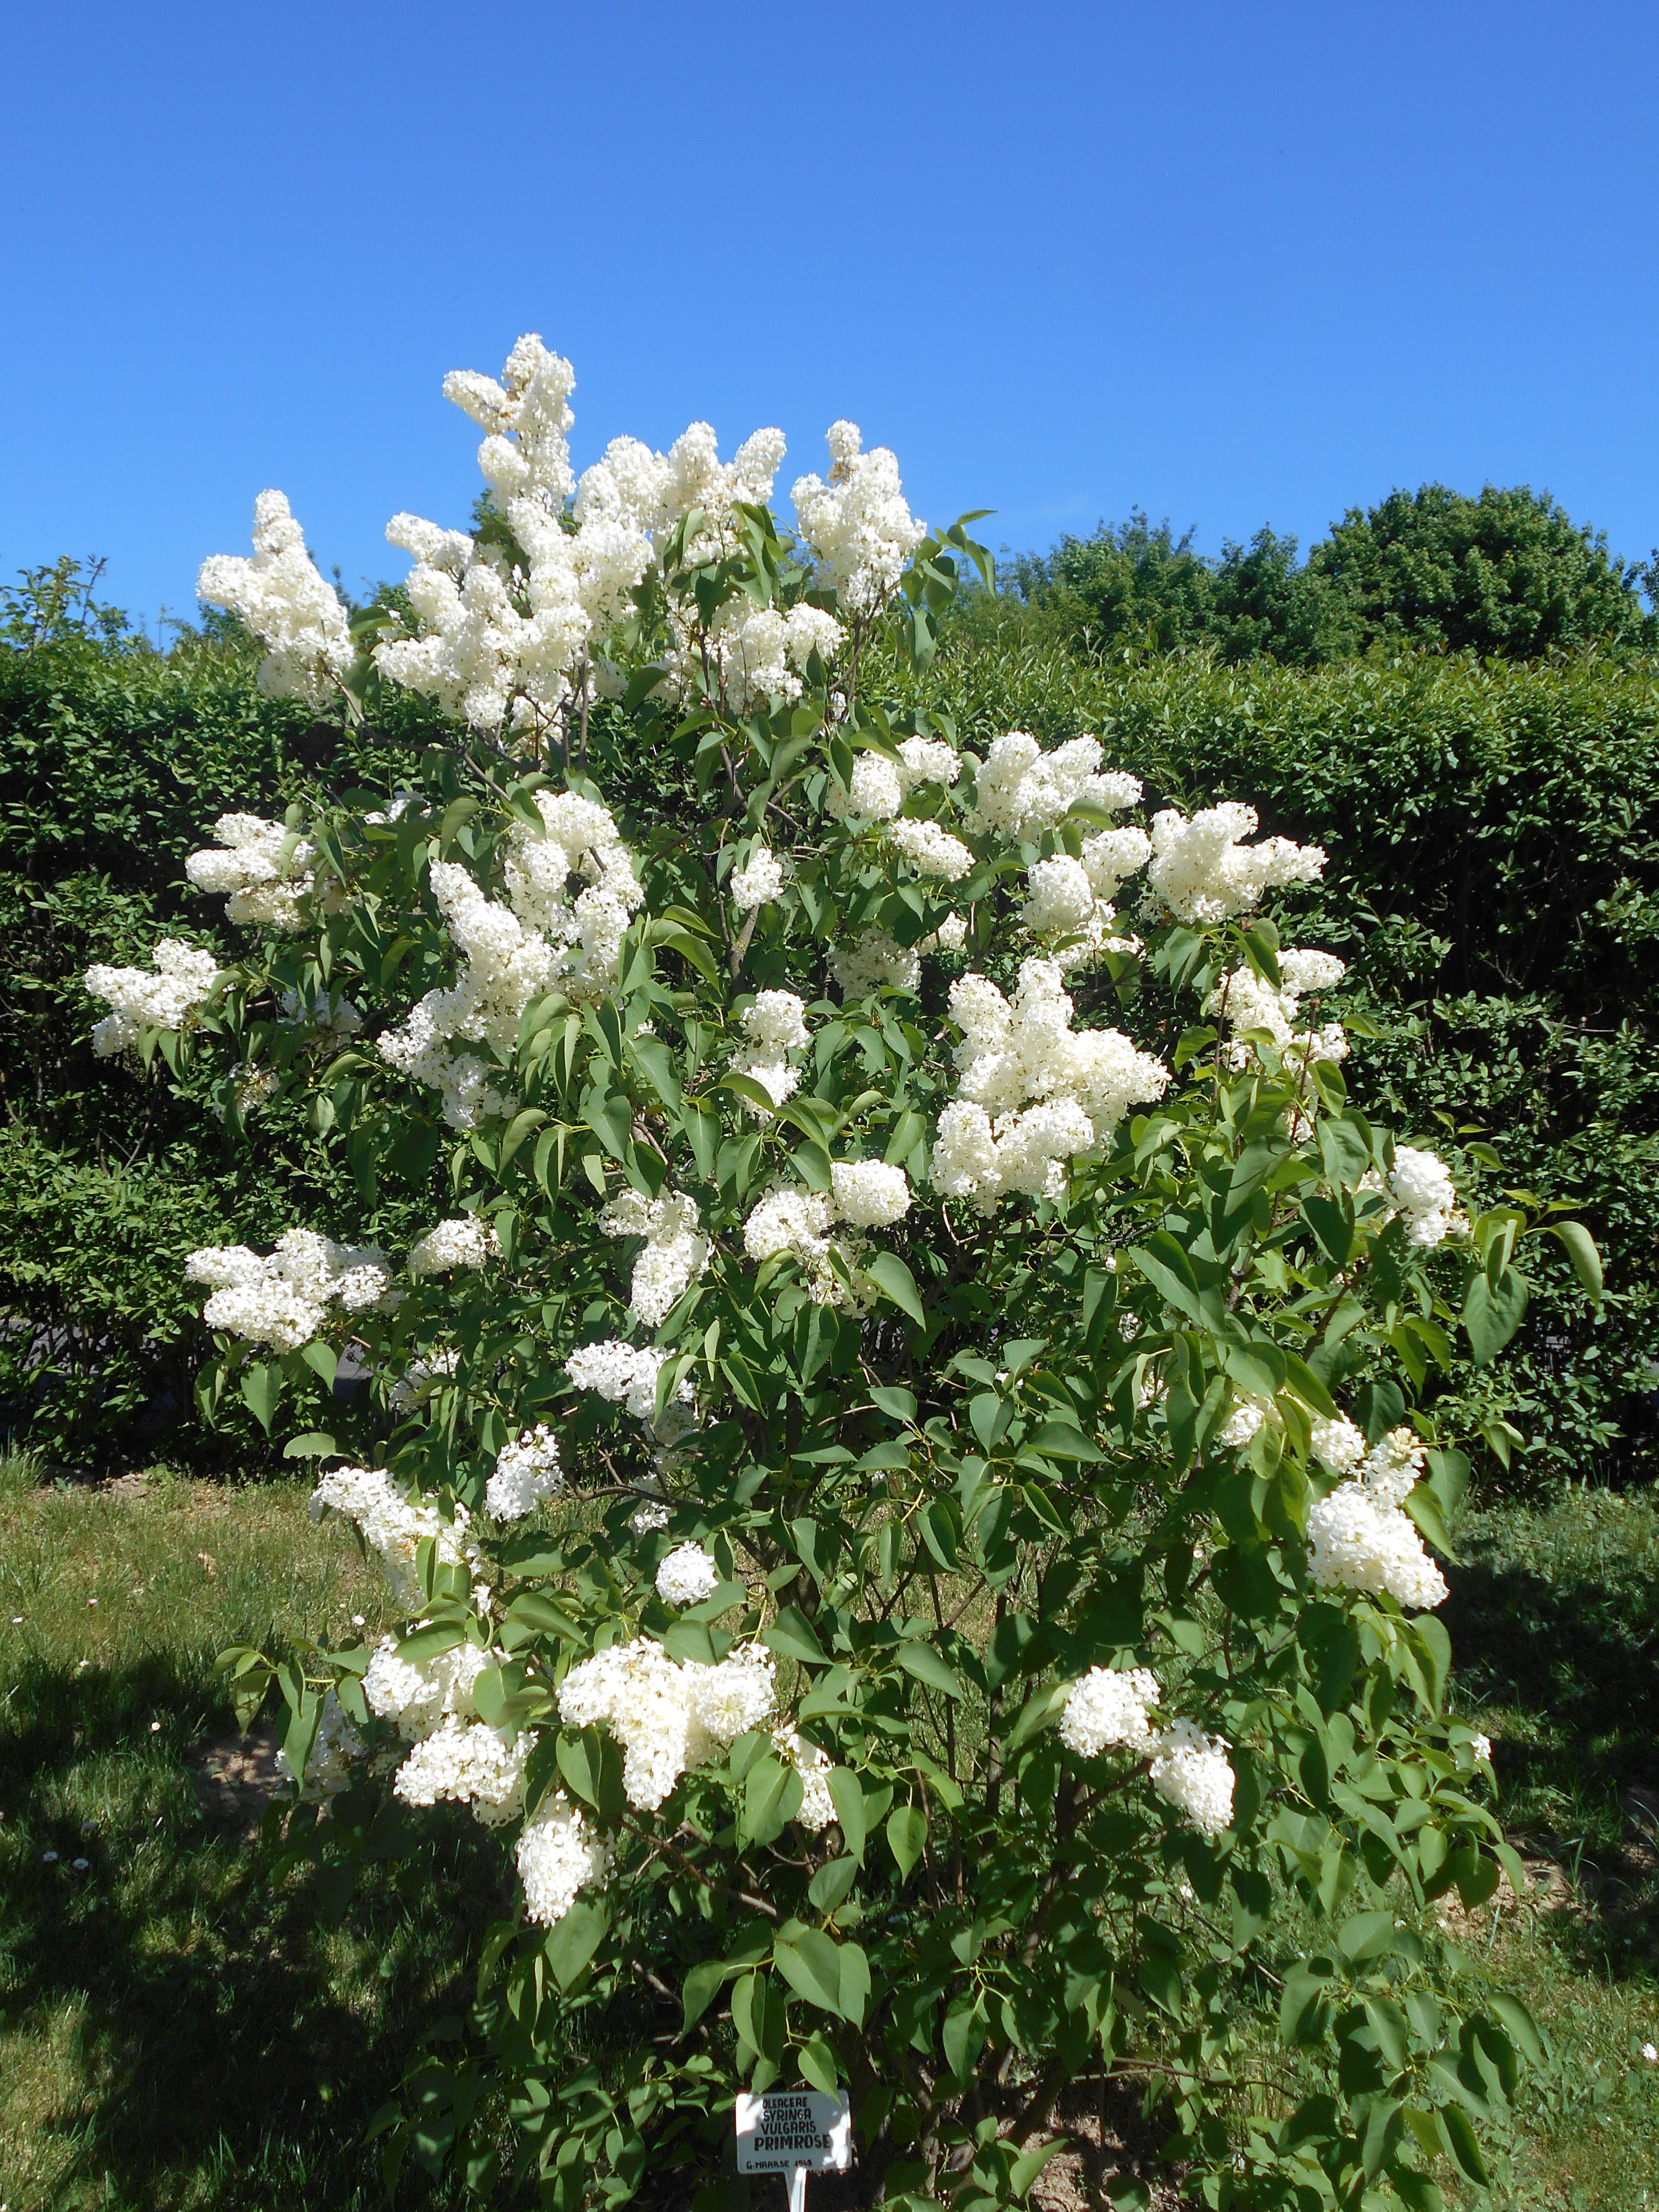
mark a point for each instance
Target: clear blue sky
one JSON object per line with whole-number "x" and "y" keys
{"x": 1232, "y": 264}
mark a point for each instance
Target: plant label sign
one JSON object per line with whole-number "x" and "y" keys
{"x": 786, "y": 2129}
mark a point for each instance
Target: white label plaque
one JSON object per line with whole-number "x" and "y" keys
{"x": 789, "y": 2128}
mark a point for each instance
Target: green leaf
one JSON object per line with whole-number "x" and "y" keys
{"x": 895, "y": 1281}
{"x": 1492, "y": 1316}
{"x": 846, "y": 1796}
{"x": 573, "y": 1940}
{"x": 1062, "y": 1440}
{"x": 1332, "y": 1225}
{"x": 261, "y": 1387}
{"x": 930, "y": 1666}
{"x": 771, "y": 1799}
{"x": 1580, "y": 1248}
{"x": 314, "y": 1444}
{"x": 700, "y": 1987}
{"x": 1458, "y": 2131}
{"x": 792, "y": 1636}
{"x": 811, "y": 1964}
{"x": 907, "y": 1833}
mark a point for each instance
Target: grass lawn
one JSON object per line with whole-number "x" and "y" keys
{"x": 174, "y": 2033}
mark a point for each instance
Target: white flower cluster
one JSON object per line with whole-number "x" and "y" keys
{"x": 1191, "y": 1772}
{"x": 1247, "y": 1001}
{"x": 501, "y": 644}
{"x": 1420, "y": 1187}
{"x": 1021, "y": 790}
{"x": 471, "y": 1764}
{"x": 283, "y": 1300}
{"x": 1240, "y": 1426}
{"x": 873, "y": 961}
{"x": 687, "y": 1576}
{"x": 1034, "y": 1092}
{"x": 335, "y": 1748}
{"x": 777, "y": 1026}
{"x": 818, "y": 1806}
{"x": 1201, "y": 871}
{"x": 931, "y": 851}
{"x": 559, "y": 1854}
{"x": 1359, "y": 1537}
{"x": 858, "y": 524}
{"x": 390, "y": 1526}
{"x": 466, "y": 1242}
{"x": 1107, "y": 1710}
{"x": 626, "y": 1374}
{"x": 750, "y": 653}
{"x": 266, "y": 868}
{"x": 674, "y": 1255}
{"x": 183, "y": 979}
{"x": 290, "y": 606}
{"x": 512, "y": 953}
{"x": 758, "y": 880}
{"x": 865, "y": 1193}
{"x": 668, "y": 1715}
{"x": 526, "y": 1471}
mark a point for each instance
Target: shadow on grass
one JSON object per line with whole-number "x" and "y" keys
{"x": 1569, "y": 1666}
{"x": 227, "y": 2044}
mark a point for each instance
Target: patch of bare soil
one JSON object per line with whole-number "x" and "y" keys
{"x": 238, "y": 1776}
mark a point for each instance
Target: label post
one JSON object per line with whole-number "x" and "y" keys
{"x": 794, "y": 2132}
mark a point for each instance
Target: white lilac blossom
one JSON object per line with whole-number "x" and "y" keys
{"x": 926, "y": 760}
{"x": 687, "y": 1576}
{"x": 777, "y": 1026}
{"x": 471, "y": 1764}
{"x": 335, "y": 1017}
{"x": 1338, "y": 1443}
{"x": 875, "y": 791}
{"x": 420, "y": 1695}
{"x": 858, "y": 524}
{"x": 873, "y": 961}
{"x": 495, "y": 648}
{"x": 334, "y": 1749}
{"x": 864, "y": 1193}
{"x": 1034, "y": 1092}
{"x": 1421, "y": 1188}
{"x": 1021, "y": 790}
{"x": 759, "y": 880}
{"x": 1240, "y": 1426}
{"x": 818, "y": 1806}
{"x": 870, "y": 1193}
{"x": 668, "y": 1715}
{"x": 931, "y": 851}
{"x": 1191, "y": 1772}
{"x": 1360, "y": 1540}
{"x": 1107, "y": 1709}
{"x": 183, "y": 978}
{"x": 266, "y": 868}
{"x": 951, "y": 936}
{"x": 1247, "y": 1001}
{"x": 674, "y": 1254}
{"x": 1482, "y": 1746}
{"x": 626, "y": 1375}
{"x": 392, "y": 1526}
{"x": 526, "y": 1471}
{"x": 1202, "y": 871}
{"x": 750, "y": 655}
{"x": 466, "y": 1241}
{"x": 558, "y": 1854}
{"x": 546, "y": 935}
{"x": 285, "y": 1299}
{"x": 290, "y": 606}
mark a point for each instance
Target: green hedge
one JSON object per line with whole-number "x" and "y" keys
{"x": 1500, "y": 824}
{"x": 113, "y": 759}
{"x": 1497, "y": 825}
